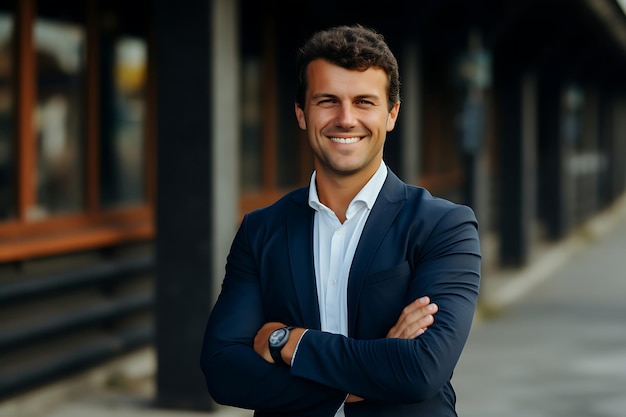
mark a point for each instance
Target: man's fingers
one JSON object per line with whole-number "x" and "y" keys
{"x": 414, "y": 319}
{"x": 416, "y": 305}
{"x": 411, "y": 330}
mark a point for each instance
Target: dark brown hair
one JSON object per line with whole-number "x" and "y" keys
{"x": 352, "y": 47}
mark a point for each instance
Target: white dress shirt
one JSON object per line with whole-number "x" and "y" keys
{"x": 334, "y": 245}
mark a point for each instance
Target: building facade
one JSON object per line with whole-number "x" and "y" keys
{"x": 135, "y": 135}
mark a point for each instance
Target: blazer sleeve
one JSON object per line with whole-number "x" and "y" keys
{"x": 234, "y": 373}
{"x": 446, "y": 267}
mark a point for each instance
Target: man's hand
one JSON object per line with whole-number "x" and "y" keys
{"x": 414, "y": 319}
{"x": 353, "y": 399}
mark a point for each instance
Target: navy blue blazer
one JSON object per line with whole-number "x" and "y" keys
{"x": 412, "y": 245}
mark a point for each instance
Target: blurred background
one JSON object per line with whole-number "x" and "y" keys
{"x": 134, "y": 136}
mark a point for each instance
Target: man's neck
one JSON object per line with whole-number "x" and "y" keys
{"x": 336, "y": 191}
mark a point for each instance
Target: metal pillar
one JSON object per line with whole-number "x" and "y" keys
{"x": 411, "y": 113}
{"x": 619, "y": 145}
{"x": 474, "y": 77}
{"x": 616, "y": 152}
{"x": 556, "y": 185}
{"x": 518, "y": 106}
{"x": 184, "y": 263}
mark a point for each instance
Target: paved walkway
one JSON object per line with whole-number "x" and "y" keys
{"x": 559, "y": 351}
{"x": 555, "y": 348}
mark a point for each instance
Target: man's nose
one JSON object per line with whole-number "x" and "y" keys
{"x": 346, "y": 116}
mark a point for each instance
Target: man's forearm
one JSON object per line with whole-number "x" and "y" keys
{"x": 413, "y": 321}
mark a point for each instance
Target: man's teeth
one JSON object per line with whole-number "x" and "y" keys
{"x": 345, "y": 140}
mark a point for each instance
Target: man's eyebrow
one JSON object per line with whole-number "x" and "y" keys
{"x": 368, "y": 96}
{"x": 323, "y": 95}
{"x": 358, "y": 97}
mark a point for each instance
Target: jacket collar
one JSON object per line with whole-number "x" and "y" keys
{"x": 300, "y": 247}
{"x": 390, "y": 200}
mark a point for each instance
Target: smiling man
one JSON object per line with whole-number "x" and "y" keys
{"x": 329, "y": 292}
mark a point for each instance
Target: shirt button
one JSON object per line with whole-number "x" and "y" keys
{"x": 333, "y": 281}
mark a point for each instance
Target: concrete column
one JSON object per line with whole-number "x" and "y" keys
{"x": 226, "y": 138}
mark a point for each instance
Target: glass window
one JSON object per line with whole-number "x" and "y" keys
{"x": 124, "y": 53}
{"x": 251, "y": 151}
{"x": 293, "y": 168}
{"x": 123, "y": 169}
{"x": 60, "y": 45}
{"x": 8, "y": 183}
{"x": 76, "y": 94}
{"x": 274, "y": 152}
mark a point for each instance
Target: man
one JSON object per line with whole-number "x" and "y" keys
{"x": 328, "y": 303}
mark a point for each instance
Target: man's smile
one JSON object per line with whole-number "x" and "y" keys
{"x": 345, "y": 140}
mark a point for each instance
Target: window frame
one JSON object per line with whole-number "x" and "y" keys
{"x": 22, "y": 238}
{"x": 270, "y": 189}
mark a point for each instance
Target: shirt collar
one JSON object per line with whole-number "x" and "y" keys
{"x": 367, "y": 195}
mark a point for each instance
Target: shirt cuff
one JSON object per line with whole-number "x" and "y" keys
{"x": 295, "y": 351}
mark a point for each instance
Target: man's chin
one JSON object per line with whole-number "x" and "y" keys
{"x": 347, "y": 170}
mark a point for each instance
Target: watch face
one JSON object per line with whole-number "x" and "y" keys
{"x": 277, "y": 336}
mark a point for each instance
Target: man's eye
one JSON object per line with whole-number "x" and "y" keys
{"x": 365, "y": 103}
{"x": 326, "y": 103}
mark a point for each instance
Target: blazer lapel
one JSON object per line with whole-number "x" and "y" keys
{"x": 300, "y": 244}
{"x": 388, "y": 204}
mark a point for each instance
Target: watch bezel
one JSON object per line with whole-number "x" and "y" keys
{"x": 278, "y": 337}
{"x": 276, "y": 346}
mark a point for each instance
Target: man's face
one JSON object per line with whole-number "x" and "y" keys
{"x": 346, "y": 118}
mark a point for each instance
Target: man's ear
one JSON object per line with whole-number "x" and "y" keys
{"x": 393, "y": 116}
{"x": 300, "y": 116}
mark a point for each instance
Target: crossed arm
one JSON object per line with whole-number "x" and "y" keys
{"x": 404, "y": 367}
{"x": 413, "y": 321}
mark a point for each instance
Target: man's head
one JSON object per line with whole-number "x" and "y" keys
{"x": 350, "y": 47}
{"x": 347, "y": 101}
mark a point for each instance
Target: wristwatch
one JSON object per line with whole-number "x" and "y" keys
{"x": 278, "y": 338}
